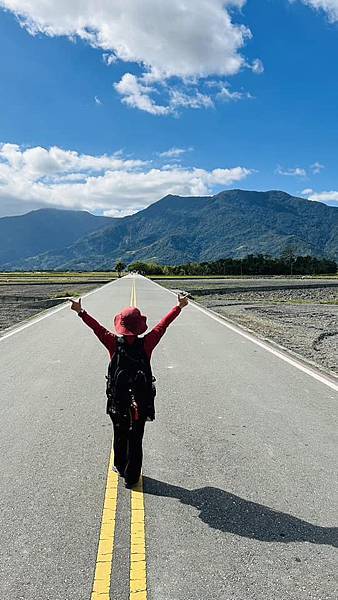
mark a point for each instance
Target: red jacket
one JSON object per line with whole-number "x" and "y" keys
{"x": 151, "y": 339}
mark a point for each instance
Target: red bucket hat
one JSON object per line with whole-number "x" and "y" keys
{"x": 130, "y": 322}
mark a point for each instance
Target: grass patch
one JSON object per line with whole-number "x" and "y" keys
{"x": 67, "y": 294}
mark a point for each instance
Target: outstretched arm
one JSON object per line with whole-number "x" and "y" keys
{"x": 107, "y": 338}
{"x": 153, "y": 337}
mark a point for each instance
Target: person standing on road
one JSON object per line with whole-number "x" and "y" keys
{"x": 130, "y": 388}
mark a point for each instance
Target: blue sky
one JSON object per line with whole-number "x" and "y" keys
{"x": 111, "y": 112}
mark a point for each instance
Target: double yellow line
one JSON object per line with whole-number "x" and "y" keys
{"x": 133, "y": 293}
{"x": 138, "y": 565}
{"x": 101, "y": 585}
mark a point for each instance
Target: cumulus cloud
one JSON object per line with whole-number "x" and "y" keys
{"x": 188, "y": 41}
{"x": 37, "y": 162}
{"x": 327, "y": 197}
{"x": 137, "y": 95}
{"x": 329, "y": 6}
{"x": 295, "y": 172}
{"x": 39, "y": 177}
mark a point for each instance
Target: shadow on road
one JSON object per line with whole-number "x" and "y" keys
{"x": 229, "y": 513}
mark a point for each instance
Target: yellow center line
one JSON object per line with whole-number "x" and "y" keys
{"x": 135, "y": 301}
{"x": 138, "y": 565}
{"x": 133, "y": 294}
{"x": 102, "y": 576}
{"x": 104, "y": 560}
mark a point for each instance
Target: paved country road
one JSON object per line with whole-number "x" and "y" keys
{"x": 239, "y": 478}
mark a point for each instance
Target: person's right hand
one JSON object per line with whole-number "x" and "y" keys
{"x": 182, "y": 300}
{"x": 76, "y": 305}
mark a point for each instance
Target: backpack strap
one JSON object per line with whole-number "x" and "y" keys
{"x": 120, "y": 349}
{"x": 120, "y": 342}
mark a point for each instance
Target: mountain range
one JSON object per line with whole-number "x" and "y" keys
{"x": 44, "y": 229}
{"x": 174, "y": 230}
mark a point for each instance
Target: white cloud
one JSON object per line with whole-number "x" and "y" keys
{"x": 39, "y": 177}
{"x": 307, "y": 192}
{"x": 135, "y": 94}
{"x": 196, "y": 100}
{"x": 226, "y": 94}
{"x": 97, "y": 100}
{"x": 175, "y": 152}
{"x": 109, "y": 59}
{"x": 329, "y": 6}
{"x": 327, "y": 197}
{"x": 317, "y": 168}
{"x": 295, "y": 172}
{"x": 257, "y": 66}
{"x": 189, "y": 40}
{"x": 37, "y": 162}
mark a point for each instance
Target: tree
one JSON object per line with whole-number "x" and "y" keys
{"x": 139, "y": 267}
{"x": 288, "y": 256}
{"x": 119, "y": 267}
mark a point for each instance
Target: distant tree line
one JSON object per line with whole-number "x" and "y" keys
{"x": 253, "y": 264}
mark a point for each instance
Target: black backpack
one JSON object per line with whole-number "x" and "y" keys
{"x": 129, "y": 382}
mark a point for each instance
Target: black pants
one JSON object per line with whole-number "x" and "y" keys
{"x": 128, "y": 452}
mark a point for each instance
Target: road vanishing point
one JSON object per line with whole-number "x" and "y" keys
{"x": 238, "y": 495}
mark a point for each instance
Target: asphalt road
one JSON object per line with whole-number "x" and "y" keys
{"x": 239, "y": 471}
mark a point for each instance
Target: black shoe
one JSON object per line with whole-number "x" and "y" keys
{"x": 131, "y": 484}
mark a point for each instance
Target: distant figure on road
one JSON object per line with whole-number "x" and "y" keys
{"x": 130, "y": 387}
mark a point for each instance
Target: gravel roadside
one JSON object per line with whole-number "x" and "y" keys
{"x": 20, "y": 302}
